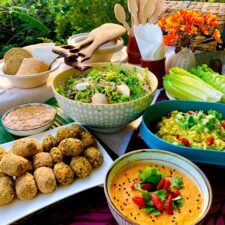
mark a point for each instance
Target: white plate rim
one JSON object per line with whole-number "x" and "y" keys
{"x": 11, "y": 213}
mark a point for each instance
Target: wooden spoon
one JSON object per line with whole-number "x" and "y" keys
{"x": 159, "y": 6}
{"x": 141, "y": 11}
{"x": 121, "y": 16}
{"x": 149, "y": 9}
{"x": 106, "y": 32}
{"x": 133, "y": 9}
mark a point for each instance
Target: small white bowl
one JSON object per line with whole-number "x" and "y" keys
{"x": 172, "y": 160}
{"x": 28, "y": 81}
{"x": 104, "y": 53}
{"x": 24, "y": 133}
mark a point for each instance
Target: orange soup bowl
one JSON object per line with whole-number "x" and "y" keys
{"x": 124, "y": 186}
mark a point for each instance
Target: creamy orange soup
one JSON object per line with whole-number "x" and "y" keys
{"x": 121, "y": 195}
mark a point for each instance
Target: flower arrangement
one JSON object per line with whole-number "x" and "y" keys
{"x": 183, "y": 25}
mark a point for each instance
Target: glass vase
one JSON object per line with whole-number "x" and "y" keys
{"x": 185, "y": 59}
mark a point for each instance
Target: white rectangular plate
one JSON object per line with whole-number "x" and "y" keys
{"x": 19, "y": 209}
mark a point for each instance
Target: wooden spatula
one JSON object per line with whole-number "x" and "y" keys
{"x": 121, "y": 16}
{"x": 88, "y": 40}
{"x": 105, "y": 33}
{"x": 133, "y": 9}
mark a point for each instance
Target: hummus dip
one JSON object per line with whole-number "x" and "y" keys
{"x": 28, "y": 117}
{"x": 121, "y": 195}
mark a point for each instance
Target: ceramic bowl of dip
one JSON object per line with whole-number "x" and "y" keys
{"x": 124, "y": 172}
{"x": 29, "y": 119}
{"x": 104, "y": 53}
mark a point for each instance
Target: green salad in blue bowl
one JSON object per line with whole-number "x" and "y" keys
{"x": 195, "y": 130}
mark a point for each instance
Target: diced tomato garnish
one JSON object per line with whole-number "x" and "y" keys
{"x": 184, "y": 141}
{"x": 139, "y": 201}
{"x": 191, "y": 112}
{"x": 160, "y": 184}
{"x": 166, "y": 184}
{"x": 169, "y": 205}
{"x": 157, "y": 202}
{"x": 175, "y": 193}
{"x": 209, "y": 140}
{"x": 135, "y": 182}
{"x": 223, "y": 124}
{"x": 146, "y": 186}
{"x": 177, "y": 136}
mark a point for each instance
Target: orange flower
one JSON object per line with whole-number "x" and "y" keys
{"x": 162, "y": 23}
{"x": 204, "y": 30}
{"x": 170, "y": 39}
{"x": 217, "y": 36}
{"x": 210, "y": 20}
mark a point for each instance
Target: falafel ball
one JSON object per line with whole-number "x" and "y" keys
{"x": 62, "y": 134}
{"x": 56, "y": 155}
{"x": 71, "y": 147}
{"x": 63, "y": 173}
{"x": 48, "y": 143}
{"x": 45, "y": 179}
{"x": 94, "y": 156}
{"x": 76, "y": 130}
{"x": 24, "y": 148}
{"x": 38, "y": 144}
{"x": 26, "y": 187}
{"x": 2, "y": 152}
{"x": 81, "y": 166}
{"x": 7, "y": 192}
{"x": 14, "y": 165}
{"x": 42, "y": 159}
{"x": 88, "y": 139}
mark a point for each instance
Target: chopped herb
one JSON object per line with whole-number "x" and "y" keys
{"x": 177, "y": 182}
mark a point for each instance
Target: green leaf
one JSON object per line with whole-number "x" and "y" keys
{"x": 151, "y": 175}
{"x": 178, "y": 202}
{"x": 177, "y": 182}
{"x": 146, "y": 197}
{"x": 157, "y": 212}
{"x": 31, "y": 21}
{"x": 149, "y": 209}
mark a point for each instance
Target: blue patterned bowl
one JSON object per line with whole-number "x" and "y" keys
{"x": 104, "y": 117}
{"x": 155, "y": 113}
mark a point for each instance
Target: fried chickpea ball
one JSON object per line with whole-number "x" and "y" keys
{"x": 62, "y": 134}
{"x": 76, "y": 131}
{"x": 7, "y": 192}
{"x": 45, "y": 179}
{"x": 14, "y": 165}
{"x": 38, "y": 144}
{"x": 24, "y": 148}
{"x": 30, "y": 168}
{"x": 63, "y": 173}
{"x": 48, "y": 143}
{"x": 88, "y": 140}
{"x": 71, "y": 147}
{"x": 2, "y": 152}
{"x": 56, "y": 155}
{"x": 81, "y": 166}
{"x": 26, "y": 187}
{"x": 94, "y": 156}
{"x": 42, "y": 159}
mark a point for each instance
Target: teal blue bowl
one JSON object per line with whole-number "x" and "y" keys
{"x": 155, "y": 113}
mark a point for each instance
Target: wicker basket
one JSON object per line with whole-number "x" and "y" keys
{"x": 215, "y": 8}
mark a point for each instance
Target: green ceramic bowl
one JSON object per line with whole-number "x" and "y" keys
{"x": 104, "y": 117}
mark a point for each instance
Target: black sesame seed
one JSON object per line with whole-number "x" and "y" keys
{"x": 153, "y": 221}
{"x": 197, "y": 200}
{"x": 135, "y": 217}
{"x": 189, "y": 211}
{"x": 114, "y": 198}
{"x": 123, "y": 183}
{"x": 198, "y": 207}
{"x": 163, "y": 167}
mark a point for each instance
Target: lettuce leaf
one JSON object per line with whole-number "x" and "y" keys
{"x": 210, "y": 77}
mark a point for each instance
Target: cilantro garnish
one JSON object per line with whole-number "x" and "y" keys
{"x": 177, "y": 182}
{"x": 151, "y": 175}
{"x": 178, "y": 202}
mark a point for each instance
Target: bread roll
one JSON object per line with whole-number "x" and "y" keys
{"x": 31, "y": 66}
